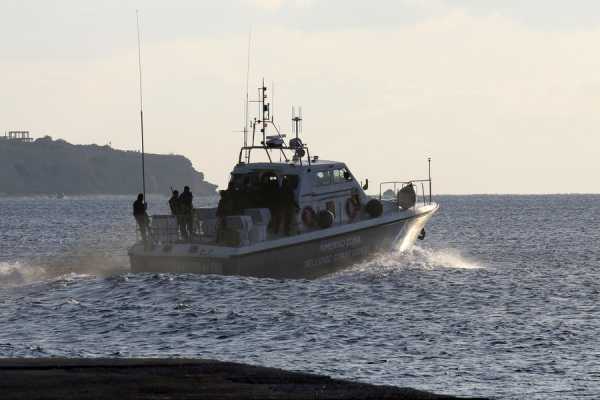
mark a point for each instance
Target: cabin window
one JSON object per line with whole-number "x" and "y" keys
{"x": 239, "y": 181}
{"x": 332, "y": 177}
{"x": 291, "y": 180}
{"x": 337, "y": 176}
{"x": 268, "y": 177}
{"x": 323, "y": 178}
{"x": 341, "y": 176}
{"x": 236, "y": 180}
{"x": 252, "y": 190}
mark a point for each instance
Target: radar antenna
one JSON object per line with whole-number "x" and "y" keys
{"x": 259, "y": 127}
{"x": 297, "y": 121}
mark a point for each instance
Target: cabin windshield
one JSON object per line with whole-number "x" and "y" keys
{"x": 332, "y": 177}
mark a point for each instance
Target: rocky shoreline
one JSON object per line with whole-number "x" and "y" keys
{"x": 59, "y": 378}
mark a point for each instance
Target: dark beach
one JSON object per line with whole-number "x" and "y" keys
{"x": 60, "y": 378}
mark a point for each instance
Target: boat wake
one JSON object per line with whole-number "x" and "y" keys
{"x": 17, "y": 274}
{"x": 415, "y": 258}
{"x": 439, "y": 258}
{"x": 24, "y": 273}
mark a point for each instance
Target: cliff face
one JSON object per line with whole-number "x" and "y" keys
{"x": 48, "y": 166}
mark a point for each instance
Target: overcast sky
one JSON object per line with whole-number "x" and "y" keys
{"x": 504, "y": 95}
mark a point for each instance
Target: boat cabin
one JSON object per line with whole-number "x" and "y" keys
{"x": 304, "y": 189}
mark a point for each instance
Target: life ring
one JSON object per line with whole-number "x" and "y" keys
{"x": 308, "y": 216}
{"x": 353, "y": 207}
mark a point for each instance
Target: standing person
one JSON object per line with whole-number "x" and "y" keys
{"x": 186, "y": 205}
{"x": 139, "y": 213}
{"x": 271, "y": 198}
{"x": 289, "y": 207}
{"x": 224, "y": 209}
{"x": 173, "y": 202}
{"x": 175, "y": 206}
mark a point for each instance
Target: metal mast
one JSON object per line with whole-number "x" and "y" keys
{"x": 264, "y": 111}
{"x": 247, "y": 99}
{"x": 429, "y": 167}
{"x": 141, "y": 103}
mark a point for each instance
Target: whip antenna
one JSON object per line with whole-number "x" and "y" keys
{"x": 137, "y": 17}
{"x": 247, "y": 99}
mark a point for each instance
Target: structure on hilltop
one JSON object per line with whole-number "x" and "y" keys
{"x": 17, "y": 136}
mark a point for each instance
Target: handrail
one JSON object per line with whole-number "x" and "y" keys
{"x": 169, "y": 228}
{"x": 267, "y": 148}
{"x": 426, "y": 197}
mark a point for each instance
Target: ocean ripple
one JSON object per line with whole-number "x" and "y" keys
{"x": 500, "y": 300}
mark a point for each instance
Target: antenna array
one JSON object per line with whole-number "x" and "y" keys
{"x": 296, "y": 121}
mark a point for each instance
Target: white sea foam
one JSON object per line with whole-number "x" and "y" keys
{"x": 440, "y": 258}
{"x": 15, "y": 274}
{"x": 417, "y": 257}
{"x": 22, "y": 273}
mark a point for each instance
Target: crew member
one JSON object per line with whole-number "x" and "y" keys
{"x": 173, "y": 202}
{"x": 175, "y": 206}
{"x": 186, "y": 208}
{"x": 288, "y": 204}
{"x": 224, "y": 209}
{"x": 271, "y": 193}
{"x": 139, "y": 213}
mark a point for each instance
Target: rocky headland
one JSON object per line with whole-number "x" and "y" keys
{"x": 49, "y": 167}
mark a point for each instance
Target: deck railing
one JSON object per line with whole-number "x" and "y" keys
{"x": 422, "y": 189}
{"x": 245, "y": 153}
{"x": 165, "y": 229}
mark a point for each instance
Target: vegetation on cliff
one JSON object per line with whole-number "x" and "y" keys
{"x": 47, "y": 166}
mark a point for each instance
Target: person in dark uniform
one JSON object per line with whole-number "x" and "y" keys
{"x": 225, "y": 209}
{"x": 271, "y": 199}
{"x": 174, "y": 205}
{"x": 289, "y": 207}
{"x": 173, "y": 202}
{"x": 139, "y": 213}
{"x": 244, "y": 199}
{"x": 186, "y": 208}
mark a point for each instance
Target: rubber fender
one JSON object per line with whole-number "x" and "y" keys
{"x": 374, "y": 208}
{"x": 407, "y": 197}
{"x": 325, "y": 219}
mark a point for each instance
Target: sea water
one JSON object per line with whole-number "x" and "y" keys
{"x": 500, "y": 300}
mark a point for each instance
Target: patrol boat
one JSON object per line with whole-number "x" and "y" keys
{"x": 290, "y": 215}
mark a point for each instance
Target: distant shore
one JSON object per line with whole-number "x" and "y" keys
{"x": 62, "y": 378}
{"x": 60, "y": 196}
{"x": 57, "y": 168}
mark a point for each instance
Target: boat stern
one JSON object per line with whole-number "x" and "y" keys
{"x": 179, "y": 258}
